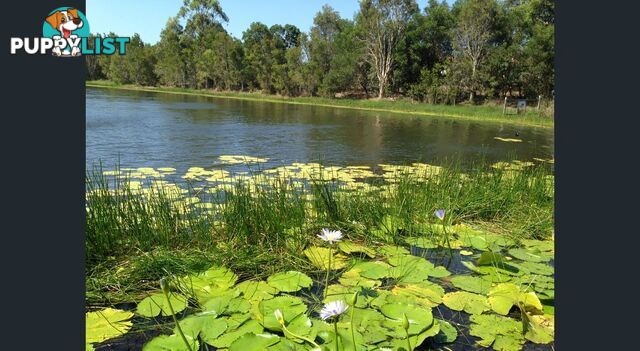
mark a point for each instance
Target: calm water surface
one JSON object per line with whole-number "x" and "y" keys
{"x": 142, "y": 129}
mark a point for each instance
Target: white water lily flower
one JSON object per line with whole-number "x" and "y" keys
{"x": 332, "y": 309}
{"x": 331, "y": 236}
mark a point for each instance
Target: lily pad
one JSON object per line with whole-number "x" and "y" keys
{"x": 490, "y": 258}
{"x": 226, "y": 339}
{"x": 290, "y": 306}
{"x": 171, "y": 343}
{"x": 372, "y": 269}
{"x": 471, "y": 283}
{"x": 531, "y": 255}
{"x": 290, "y": 281}
{"x": 466, "y": 301}
{"x": 321, "y": 257}
{"x": 256, "y": 290}
{"x": 254, "y": 342}
{"x": 420, "y": 318}
{"x": 501, "y": 333}
{"x": 155, "y": 304}
{"x": 106, "y": 324}
{"x": 353, "y": 278}
{"x": 540, "y": 329}
{"x": 504, "y": 296}
{"x": 350, "y": 247}
{"x": 448, "y": 333}
{"x": 422, "y": 242}
{"x": 427, "y": 294}
{"x": 535, "y": 268}
{"x": 210, "y": 326}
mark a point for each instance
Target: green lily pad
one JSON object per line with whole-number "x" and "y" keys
{"x": 422, "y": 242}
{"x": 501, "y": 333}
{"x": 210, "y": 326}
{"x": 448, "y": 333}
{"x": 290, "y": 281}
{"x": 256, "y": 290}
{"x": 393, "y": 250}
{"x": 420, "y": 318}
{"x": 254, "y": 342}
{"x": 471, "y": 283}
{"x": 372, "y": 269}
{"x": 290, "y": 306}
{"x": 171, "y": 343}
{"x": 466, "y": 301}
{"x": 302, "y": 326}
{"x": 106, "y": 324}
{"x": 540, "y": 245}
{"x": 426, "y": 293}
{"x": 531, "y": 255}
{"x": 155, "y": 304}
{"x": 219, "y": 305}
{"x": 540, "y": 329}
{"x": 504, "y": 296}
{"x": 336, "y": 292}
{"x": 350, "y": 247}
{"x": 353, "y": 278}
{"x": 535, "y": 268}
{"x": 211, "y": 283}
{"x": 321, "y": 257}
{"x": 228, "y": 337}
{"x": 490, "y": 258}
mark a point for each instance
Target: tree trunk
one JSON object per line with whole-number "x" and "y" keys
{"x": 473, "y": 80}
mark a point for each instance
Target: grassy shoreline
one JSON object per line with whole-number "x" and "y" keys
{"x": 137, "y": 234}
{"x": 485, "y": 113}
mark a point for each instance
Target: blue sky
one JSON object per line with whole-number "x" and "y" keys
{"x": 148, "y": 17}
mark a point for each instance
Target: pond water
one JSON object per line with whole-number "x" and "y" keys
{"x": 142, "y": 129}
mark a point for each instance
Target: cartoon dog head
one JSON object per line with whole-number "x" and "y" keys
{"x": 65, "y": 21}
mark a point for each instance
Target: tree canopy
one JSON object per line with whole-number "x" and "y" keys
{"x": 473, "y": 50}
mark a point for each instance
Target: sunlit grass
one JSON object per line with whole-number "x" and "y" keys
{"x": 139, "y": 230}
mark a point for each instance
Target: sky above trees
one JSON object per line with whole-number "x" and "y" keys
{"x": 148, "y": 17}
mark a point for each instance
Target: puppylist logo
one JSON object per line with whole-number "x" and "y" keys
{"x": 65, "y": 33}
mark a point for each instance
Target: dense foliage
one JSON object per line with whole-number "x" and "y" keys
{"x": 472, "y": 50}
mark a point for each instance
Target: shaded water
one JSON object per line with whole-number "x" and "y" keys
{"x": 145, "y": 129}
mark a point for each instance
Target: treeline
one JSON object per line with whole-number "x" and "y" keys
{"x": 470, "y": 51}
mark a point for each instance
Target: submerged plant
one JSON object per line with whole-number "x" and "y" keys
{"x": 330, "y": 236}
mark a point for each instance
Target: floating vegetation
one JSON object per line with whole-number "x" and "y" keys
{"x": 508, "y": 140}
{"x": 376, "y": 297}
{"x": 302, "y": 257}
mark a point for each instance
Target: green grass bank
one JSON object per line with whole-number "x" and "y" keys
{"x": 480, "y": 113}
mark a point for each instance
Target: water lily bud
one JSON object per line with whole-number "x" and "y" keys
{"x": 405, "y": 322}
{"x": 164, "y": 285}
{"x": 354, "y": 299}
{"x": 279, "y": 316}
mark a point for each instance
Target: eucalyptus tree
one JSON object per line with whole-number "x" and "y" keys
{"x": 383, "y": 24}
{"x": 473, "y": 34}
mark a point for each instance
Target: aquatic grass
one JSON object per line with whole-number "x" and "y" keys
{"x": 260, "y": 227}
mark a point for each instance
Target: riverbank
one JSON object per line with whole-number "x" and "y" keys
{"x": 482, "y": 113}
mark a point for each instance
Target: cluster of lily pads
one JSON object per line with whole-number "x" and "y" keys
{"x": 383, "y": 297}
{"x": 209, "y": 184}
